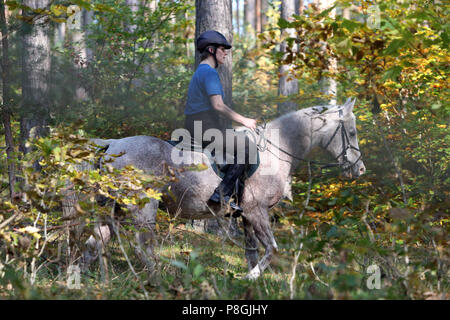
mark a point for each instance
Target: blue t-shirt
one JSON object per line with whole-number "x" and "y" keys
{"x": 204, "y": 83}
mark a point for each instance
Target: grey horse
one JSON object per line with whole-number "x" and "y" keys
{"x": 288, "y": 140}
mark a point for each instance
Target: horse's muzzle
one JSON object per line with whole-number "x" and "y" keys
{"x": 355, "y": 171}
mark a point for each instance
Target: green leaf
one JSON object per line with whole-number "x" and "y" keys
{"x": 198, "y": 271}
{"x": 436, "y": 105}
{"x": 350, "y": 25}
{"x": 178, "y": 264}
{"x": 392, "y": 73}
{"x": 327, "y": 11}
{"x": 283, "y": 24}
{"x": 394, "y": 46}
{"x": 445, "y": 38}
{"x": 333, "y": 232}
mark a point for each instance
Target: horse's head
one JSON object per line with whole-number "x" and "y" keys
{"x": 339, "y": 137}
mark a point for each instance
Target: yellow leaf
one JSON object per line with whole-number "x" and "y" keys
{"x": 32, "y": 231}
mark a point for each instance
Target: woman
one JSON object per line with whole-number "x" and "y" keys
{"x": 205, "y": 103}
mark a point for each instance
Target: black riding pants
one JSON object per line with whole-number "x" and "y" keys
{"x": 242, "y": 156}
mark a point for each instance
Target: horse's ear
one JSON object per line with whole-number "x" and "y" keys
{"x": 348, "y": 105}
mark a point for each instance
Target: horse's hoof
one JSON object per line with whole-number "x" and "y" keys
{"x": 254, "y": 273}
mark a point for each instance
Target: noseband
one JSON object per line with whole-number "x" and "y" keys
{"x": 345, "y": 146}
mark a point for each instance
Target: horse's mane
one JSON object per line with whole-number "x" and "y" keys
{"x": 311, "y": 111}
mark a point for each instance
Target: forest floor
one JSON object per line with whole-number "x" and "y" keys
{"x": 197, "y": 265}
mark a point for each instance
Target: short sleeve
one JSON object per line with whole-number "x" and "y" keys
{"x": 212, "y": 83}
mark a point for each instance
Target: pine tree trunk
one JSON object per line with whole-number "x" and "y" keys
{"x": 35, "y": 74}
{"x": 77, "y": 34}
{"x": 264, "y": 9}
{"x": 6, "y": 110}
{"x": 88, "y": 18}
{"x": 288, "y": 84}
{"x": 328, "y": 85}
{"x": 216, "y": 15}
{"x": 258, "y": 16}
{"x": 249, "y": 16}
{"x": 238, "y": 22}
{"x": 299, "y": 7}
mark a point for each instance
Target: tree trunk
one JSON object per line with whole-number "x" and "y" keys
{"x": 131, "y": 28}
{"x": 288, "y": 84}
{"x": 60, "y": 35}
{"x": 134, "y": 7}
{"x": 238, "y": 24}
{"x": 249, "y": 16}
{"x": 35, "y": 74}
{"x": 299, "y": 7}
{"x": 216, "y": 15}
{"x": 88, "y": 18}
{"x": 258, "y": 16}
{"x": 6, "y": 110}
{"x": 346, "y": 13}
{"x": 264, "y": 8}
{"x": 328, "y": 85}
{"x": 77, "y": 34}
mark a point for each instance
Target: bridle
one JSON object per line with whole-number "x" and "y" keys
{"x": 262, "y": 146}
{"x": 345, "y": 146}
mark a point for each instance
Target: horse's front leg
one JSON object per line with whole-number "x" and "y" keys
{"x": 251, "y": 245}
{"x": 259, "y": 219}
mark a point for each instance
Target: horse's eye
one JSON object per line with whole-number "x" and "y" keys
{"x": 352, "y": 133}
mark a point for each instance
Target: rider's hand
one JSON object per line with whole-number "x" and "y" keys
{"x": 249, "y": 123}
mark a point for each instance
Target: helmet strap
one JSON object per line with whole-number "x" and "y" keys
{"x": 215, "y": 57}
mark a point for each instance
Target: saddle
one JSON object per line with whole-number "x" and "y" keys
{"x": 219, "y": 169}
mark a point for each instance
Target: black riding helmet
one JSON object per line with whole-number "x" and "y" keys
{"x": 212, "y": 38}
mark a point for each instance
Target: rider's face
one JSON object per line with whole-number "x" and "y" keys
{"x": 221, "y": 54}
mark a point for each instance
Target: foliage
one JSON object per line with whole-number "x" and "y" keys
{"x": 33, "y": 226}
{"x": 404, "y": 140}
{"x": 395, "y": 216}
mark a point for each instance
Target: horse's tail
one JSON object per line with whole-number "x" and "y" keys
{"x": 103, "y": 145}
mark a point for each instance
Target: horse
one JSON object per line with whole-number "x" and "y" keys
{"x": 288, "y": 141}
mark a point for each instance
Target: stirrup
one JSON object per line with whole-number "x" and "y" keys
{"x": 226, "y": 199}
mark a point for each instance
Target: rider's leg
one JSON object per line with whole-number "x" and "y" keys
{"x": 235, "y": 170}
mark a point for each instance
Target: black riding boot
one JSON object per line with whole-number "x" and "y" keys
{"x": 227, "y": 185}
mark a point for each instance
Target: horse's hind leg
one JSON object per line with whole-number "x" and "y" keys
{"x": 259, "y": 220}
{"x": 251, "y": 245}
{"x": 145, "y": 221}
{"x": 94, "y": 246}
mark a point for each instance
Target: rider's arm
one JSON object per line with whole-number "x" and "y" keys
{"x": 220, "y": 106}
